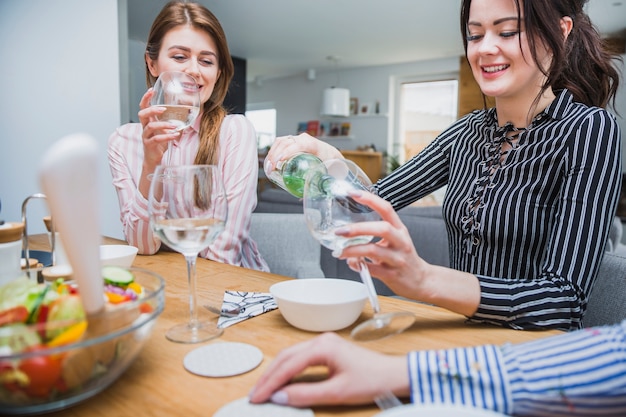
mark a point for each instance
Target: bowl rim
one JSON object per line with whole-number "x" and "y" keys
{"x": 354, "y": 297}
{"x": 157, "y": 294}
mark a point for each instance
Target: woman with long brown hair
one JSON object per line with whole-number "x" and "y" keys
{"x": 187, "y": 37}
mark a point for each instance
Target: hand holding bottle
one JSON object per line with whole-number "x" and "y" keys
{"x": 284, "y": 147}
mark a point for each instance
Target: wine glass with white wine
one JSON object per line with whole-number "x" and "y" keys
{"x": 328, "y": 205}
{"x": 188, "y": 210}
{"x": 178, "y": 93}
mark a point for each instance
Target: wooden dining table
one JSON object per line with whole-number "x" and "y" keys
{"x": 157, "y": 384}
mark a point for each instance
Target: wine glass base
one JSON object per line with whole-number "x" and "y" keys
{"x": 383, "y": 325}
{"x": 201, "y": 332}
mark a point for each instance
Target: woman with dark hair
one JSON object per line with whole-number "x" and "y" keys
{"x": 532, "y": 189}
{"x": 187, "y": 37}
{"x": 532, "y": 184}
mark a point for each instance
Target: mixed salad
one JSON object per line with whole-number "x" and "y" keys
{"x": 36, "y": 317}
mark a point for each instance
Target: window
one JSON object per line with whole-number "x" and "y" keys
{"x": 264, "y": 121}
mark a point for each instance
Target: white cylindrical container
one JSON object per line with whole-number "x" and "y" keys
{"x": 10, "y": 251}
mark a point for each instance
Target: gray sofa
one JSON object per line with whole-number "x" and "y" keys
{"x": 277, "y": 235}
{"x": 607, "y": 302}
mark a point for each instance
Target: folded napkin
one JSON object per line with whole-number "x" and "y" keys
{"x": 250, "y": 304}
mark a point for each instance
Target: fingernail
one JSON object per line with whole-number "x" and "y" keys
{"x": 280, "y": 398}
{"x": 337, "y": 253}
{"x": 341, "y": 231}
{"x": 355, "y": 193}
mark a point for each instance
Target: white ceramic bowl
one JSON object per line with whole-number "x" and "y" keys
{"x": 320, "y": 304}
{"x": 118, "y": 255}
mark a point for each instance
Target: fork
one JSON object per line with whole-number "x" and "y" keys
{"x": 386, "y": 400}
{"x": 234, "y": 312}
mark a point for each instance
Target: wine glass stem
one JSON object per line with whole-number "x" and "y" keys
{"x": 193, "y": 300}
{"x": 364, "y": 272}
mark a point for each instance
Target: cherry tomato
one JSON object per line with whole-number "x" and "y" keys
{"x": 43, "y": 373}
{"x": 12, "y": 315}
{"x": 42, "y": 317}
{"x": 145, "y": 308}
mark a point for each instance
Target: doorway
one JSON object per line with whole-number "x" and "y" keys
{"x": 426, "y": 107}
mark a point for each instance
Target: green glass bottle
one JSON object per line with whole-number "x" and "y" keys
{"x": 290, "y": 174}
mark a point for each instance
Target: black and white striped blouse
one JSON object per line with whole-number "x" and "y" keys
{"x": 532, "y": 224}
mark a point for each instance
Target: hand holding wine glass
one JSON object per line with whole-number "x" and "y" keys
{"x": 328, "y": 205}
{"x": 188, "y": 210}
{"x": 178, "y": 93}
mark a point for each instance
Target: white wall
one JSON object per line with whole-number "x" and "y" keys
{"x": 60, "y": 74}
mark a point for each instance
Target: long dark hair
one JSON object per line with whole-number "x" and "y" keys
{"x": 583, "y": 63}
{"x": 177, "y": 13}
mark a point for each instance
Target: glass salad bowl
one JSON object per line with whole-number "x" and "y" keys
{"x": 54, "y": 358}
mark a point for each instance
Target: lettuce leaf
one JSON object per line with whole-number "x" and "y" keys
{"x": 25, "y": 292}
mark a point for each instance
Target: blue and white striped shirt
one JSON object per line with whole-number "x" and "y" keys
{"x": 532, "y": 224}
{"x": 581, "y": 373}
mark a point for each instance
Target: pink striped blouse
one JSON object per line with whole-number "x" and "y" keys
{"x": 238, "y": 162}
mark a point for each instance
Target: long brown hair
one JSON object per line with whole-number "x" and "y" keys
{"x": 583, "y": 64}
{"x": 177, "y": 13}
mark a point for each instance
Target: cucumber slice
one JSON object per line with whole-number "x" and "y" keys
{"x": 115, "y": 275}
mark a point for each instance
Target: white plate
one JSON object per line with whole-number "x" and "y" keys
{"x": 437, "y": 410}
{"x": 243, "y": 408}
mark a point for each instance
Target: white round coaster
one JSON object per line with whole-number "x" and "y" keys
{"x": 223, "y": 359}
{"x": 242, "y": 407}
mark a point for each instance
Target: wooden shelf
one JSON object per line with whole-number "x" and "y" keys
{"x": 370, "y": 162}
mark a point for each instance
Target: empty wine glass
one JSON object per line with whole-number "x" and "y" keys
{"x": 328, "y": 205}
{"x": 188, "y": 210}
{"x": 178, "y": 93}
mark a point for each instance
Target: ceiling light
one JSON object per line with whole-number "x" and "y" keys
{"x": 336, "y": 102}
